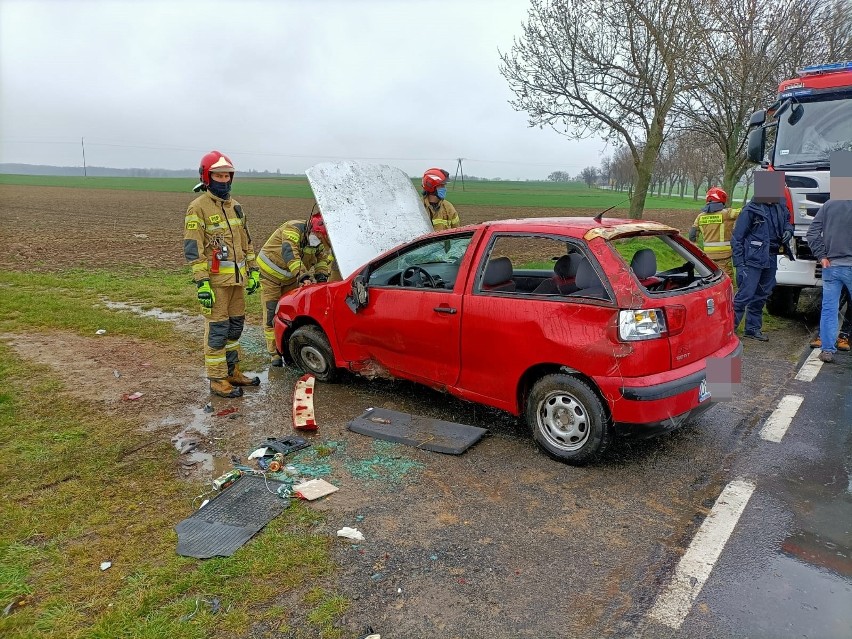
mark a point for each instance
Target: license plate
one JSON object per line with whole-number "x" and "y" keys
{"x": 703, "y": 393}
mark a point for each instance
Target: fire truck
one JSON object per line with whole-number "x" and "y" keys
{"x": 811, "y": 118}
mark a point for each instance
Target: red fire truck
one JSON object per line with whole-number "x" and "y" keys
{"x": 811, "y": 118}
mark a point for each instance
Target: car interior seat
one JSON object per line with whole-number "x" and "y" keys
{"x": 588, "y": 283}
{"x": 498, "y": 275}
{"x": 564, "y": 277}
{"x": 644, "y": 266}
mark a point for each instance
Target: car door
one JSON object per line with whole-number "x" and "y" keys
{"x": 408, "y": 326}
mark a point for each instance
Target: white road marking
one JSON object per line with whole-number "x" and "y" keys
{"x": 779, "y": 421}
{"x": 675, "y": 602}
{"x": 811, "y": 367}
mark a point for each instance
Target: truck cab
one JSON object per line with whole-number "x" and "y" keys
{"x": 811, "y": 118}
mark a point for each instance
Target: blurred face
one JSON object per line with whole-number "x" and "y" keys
{"x": 221, "y": 176}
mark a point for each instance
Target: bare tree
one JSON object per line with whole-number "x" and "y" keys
{"x": 605, "y": 67}
{"x": 589, "y": 175}
{"x": 559, "y": 176}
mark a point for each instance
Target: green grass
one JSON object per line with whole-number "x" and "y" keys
{"x": 553, "y": 195}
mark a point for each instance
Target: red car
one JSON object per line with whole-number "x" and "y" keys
{"x": 584, "y": 327}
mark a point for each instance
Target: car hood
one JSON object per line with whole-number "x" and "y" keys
{"x": 367, "y": 208}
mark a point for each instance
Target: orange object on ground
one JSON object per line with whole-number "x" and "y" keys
{"x": 303, "y": 404}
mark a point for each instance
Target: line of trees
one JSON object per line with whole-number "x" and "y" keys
{"x": 651, "y": 76}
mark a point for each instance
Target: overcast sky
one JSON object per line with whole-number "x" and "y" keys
{"x": 275, "y": 84}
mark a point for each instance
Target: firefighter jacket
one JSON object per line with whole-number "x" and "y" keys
{"x": 287, "y": 253}
{"x": 213, "y": 225}
{"x": 716, "y": 224}
{"x": 444, "y": 216}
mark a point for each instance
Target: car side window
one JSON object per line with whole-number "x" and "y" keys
{"x": 660, "y": 263}
{"x": 429, "y": 265}
{"x": 547, "y": 266}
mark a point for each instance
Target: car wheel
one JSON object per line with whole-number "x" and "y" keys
{"x": 312, "y": 353}
{"x": 567, "y": 419}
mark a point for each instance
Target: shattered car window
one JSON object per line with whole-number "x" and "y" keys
{"x": 661, "y": 263}
{"x": 439, "y": 258}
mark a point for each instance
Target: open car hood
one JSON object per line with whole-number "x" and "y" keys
{"x": 368, "y": 209}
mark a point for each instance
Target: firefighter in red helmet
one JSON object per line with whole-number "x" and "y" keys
{"x": 716, "y": 225}
{"x": 443, "y": 214}
{"x": 217, "y": 245}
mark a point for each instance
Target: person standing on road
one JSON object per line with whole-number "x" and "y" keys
{"x": 296, "y": 254}
{"x": 762, "y": 228}
{"x": 842, "y": 343}
{"x": 716, "y": 225}
{"x": 830, "y": 239}
{"x": 217, "y": 245}
{"x": 443, "y": 214}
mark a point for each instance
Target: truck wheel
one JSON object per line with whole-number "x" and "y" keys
{"x": 783, "y": 301}
{"x": 311, "y": 352}
{"x": 567, "y": 419}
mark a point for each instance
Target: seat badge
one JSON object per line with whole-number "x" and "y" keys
{"x": 711, "y": 306}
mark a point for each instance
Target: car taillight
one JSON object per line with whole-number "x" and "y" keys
{"x": 675, "y": 318}
{"x": 642, "y": 324}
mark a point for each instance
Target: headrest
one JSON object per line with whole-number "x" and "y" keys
{"x": 566, "y": 266}
{"x": 644, "y": 263}
{"x": 586, "y": 276}
{"x": 497, "y": 271}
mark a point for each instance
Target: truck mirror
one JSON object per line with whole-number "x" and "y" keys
{"x": 796, "y": 114}
{"x": 757, "y": 118}
{"x": 756, "y": 144}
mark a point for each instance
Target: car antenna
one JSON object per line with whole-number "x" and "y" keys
{"x": 600, "y": 215}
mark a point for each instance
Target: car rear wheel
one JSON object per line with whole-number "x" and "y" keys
{"x": 312, "y": 353}
{"x": 567, "y": 419}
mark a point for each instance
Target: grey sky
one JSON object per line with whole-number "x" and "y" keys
{"x": 275, "y": 84}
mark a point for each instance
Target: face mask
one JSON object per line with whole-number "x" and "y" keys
{"x": 441, "y": 192}
{"x": 313, "y": 240}
{"x": 220, "y": 189}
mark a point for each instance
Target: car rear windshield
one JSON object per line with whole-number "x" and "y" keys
{"x": 661, "y": 264}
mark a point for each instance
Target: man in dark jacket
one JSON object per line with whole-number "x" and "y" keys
{"x": 830, "y": 239}
{"x": 762, "y": 229}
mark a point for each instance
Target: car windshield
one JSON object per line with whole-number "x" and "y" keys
{"x": 810, "y": 130}
{"x": 439, "y": 251}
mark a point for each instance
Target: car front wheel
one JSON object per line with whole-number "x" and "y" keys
{"x": 311, "y": 351}
{"x": 567, "y": 419}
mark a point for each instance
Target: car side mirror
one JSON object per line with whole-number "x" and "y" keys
{"x": 358, "y": 298}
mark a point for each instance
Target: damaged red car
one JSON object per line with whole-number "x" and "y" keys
{"x": 585, "y": 328}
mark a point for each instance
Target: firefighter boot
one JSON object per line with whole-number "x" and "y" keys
{"x": 224, "y": 388}
{"x": 236, "y": 378}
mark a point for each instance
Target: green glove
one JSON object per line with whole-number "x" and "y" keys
{"x": 205, "y": 294}
{"x": 253, "y": 281}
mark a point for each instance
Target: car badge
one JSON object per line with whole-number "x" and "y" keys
{"x": 711, "y": 306}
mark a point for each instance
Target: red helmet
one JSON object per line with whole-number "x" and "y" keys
{"x": 316, "y": 225}
{"x": 217, "y": 163}
{"x": 433, "y": 178}
{"x": 716, "y": 194}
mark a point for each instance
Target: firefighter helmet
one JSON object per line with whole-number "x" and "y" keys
{"x": 433, "y": 178}
{"x": 716, "y": 194}
{"x": 215, "y": 162}
{"x": 316, "y": 225}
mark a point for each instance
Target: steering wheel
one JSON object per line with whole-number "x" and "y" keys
{"x": 418, "y": 277}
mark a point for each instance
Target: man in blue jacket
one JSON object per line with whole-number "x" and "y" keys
{"x": 762, "y": 229}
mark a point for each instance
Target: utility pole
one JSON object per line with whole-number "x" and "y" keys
{"x": 83, "y": 144}
{"x": 459, "y": 169}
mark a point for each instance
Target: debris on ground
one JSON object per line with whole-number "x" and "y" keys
{"x": 351, "y": 533}
{"x": 117, "y": 374}
{"x": 418, "y": 431}
{"x": 208, "y": 408}
{"x": 18, "y": 602}
{"x": 223, "y": 481}
{"x": 314, "y": 489}
{"x": 226, "y": 411}
{"x": 105, "y": 565}
{"x": 100, "y": 331}
{"x": 385, "y": 465}
{"x": 132, "y": 396}
{"x": 303, "y": 404}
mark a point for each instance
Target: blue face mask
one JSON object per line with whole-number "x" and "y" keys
{"x": 441, "y": 192}
{"x": 220, "y": 189}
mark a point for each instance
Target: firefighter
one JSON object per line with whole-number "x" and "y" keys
{"x": 443, "y": 214}
{"x": 296, "y": 254}
{"x": 716, "y": 224}
{"x": 217, "y": 245}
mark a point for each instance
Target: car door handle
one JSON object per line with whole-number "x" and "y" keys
{"x": 445, "y": 309}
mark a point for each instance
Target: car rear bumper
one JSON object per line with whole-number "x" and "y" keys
{"x": 661, "y": 403}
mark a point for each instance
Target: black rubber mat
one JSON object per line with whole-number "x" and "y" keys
{"x": 230, "y": 519}
{"x": 414, "y": 430}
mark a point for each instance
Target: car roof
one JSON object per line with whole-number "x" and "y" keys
{"x": 579, "y": 227}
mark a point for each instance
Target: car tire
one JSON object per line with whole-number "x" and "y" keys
{"x": 311, "y": 351}
{"x": 568, "y": 419}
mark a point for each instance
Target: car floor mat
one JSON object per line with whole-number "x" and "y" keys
{"x": 414, "y": 430}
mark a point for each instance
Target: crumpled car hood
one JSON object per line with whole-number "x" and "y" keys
{"x": 368, "y": 209}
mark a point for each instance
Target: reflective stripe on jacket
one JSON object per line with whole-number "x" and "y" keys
{"x": 444, "y": 215}
{"x": 286, "y": 255}
{"x": 717, "y": 229}
{"x": 212, "y": 224}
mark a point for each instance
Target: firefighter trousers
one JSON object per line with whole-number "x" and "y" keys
{"x": 270, "y": 293}
{"x": 222, "y": 329}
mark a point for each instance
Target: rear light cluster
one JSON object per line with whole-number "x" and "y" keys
{"x": 651, "y": 323}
